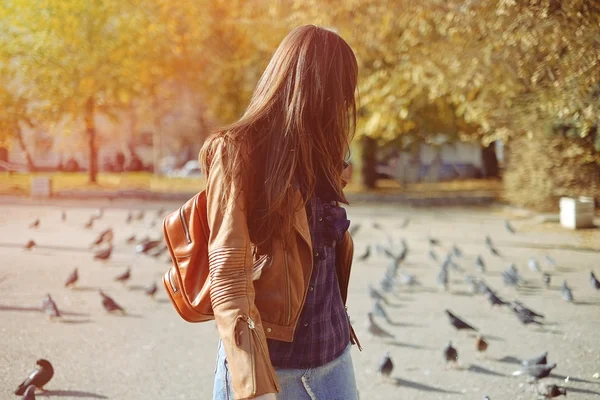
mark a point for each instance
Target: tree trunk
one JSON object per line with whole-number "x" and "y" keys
{"x": 489, "y": 161}
{"x": 90, "y": 128}
{"x": 30, "y": 164}
{"x": 369, "y": 162}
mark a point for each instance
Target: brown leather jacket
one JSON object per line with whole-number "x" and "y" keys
{"x": 256, "y": 296}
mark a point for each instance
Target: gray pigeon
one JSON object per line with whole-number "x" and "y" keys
{"x": 404, "y": 223}
{"x": 433, "y": 255}
{"x": 366, "y": 254}
{"x": 49, "y": 307}
{"x": 450, "y": 354}
{"x": 376, "y": 330}
{"x": 546, "y": 278}
{"x": 480, "y": 264}
{"x": 29, "y": 393}
{"x": 442, "y": 278}
{"x": 566, "y": 292}
{"x": 109, "y": 304}
{"x": 509, "y": 227}
{"x": 551, "y": 391}
{"x": 524, "y": 317}
{"x": 536, "y": 371}
{"x": 488, "y": 241}
{"x": 594, "y": 281}
{"x": 63, "y": 216}
{"x": 375, "y": 295}
{"x": 550, "y": 261}
{"x": 387, "y": 366}
{"x": 380, "y": 311}
{"x": 538, "y": 360}
{"x": 522, "y": 308}
{"x": 456, "y": 251}
{"x": 409, "y": 279}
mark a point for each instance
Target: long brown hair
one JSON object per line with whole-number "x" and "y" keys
{"x": 294, "y": 134}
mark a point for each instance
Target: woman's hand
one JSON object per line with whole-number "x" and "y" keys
{"x": 266, "y": 396}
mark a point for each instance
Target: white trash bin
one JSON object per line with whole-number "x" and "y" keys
{"x": 577, "y": 213}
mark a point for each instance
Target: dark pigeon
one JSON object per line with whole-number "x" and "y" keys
{"x": 106, "y": 236}
{"x": 550, "y": 261}
{"x": 109, "y": 304}
{"x": 488, "y": 241}
{"x": 495, "y": 300}
{"x": 29, "y": 245}
{"x": 551, "y": 391}
{"x": 386, "y": 366}
{"x": 536, "y": 371}
{"x": 35, "y": 224}
{"x": 354, "y": 229}
{"x": 72, "y": 278}
{"x": 450, "y": 353}
{"x": 539, "y": 360}
{"x": 38, "y": 378}
{"x": 480, "y": 344}
{"x": 458, "y": 323}
{"x": 433, "y": 241}
{"x": 594, "y": 281}
{"x": 103, "y": 254}
{"x": 49, "y": 307}
{"x": 124, "y": 277}
{"x": 140, "y": 215}
{"x": 29, "y": 393}
{"x": 520, "y": 307}
{"x": 525, "y": 317}
{"x": 147, "y": 246}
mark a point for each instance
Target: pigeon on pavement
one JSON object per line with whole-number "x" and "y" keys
{"x": 124, "y": 277}
{"x": 566, "y": 292}
{"x": 480, "y": 344}
{"x": 450, "y": 354}
{"x": 495, "y": 300}
{"x": 29, "y": 245}
{"x": 442, "y": 278}
{"x": 594, "y": 281}
{"x": 524, "y": 317}
{"x": 458, "y": 323}
{"x": 404, "y": 223}
{"x": 151, "y": 290}
{"x": 480, "y": 264}
{"x": 140, "y": 215}
{"x": 386, "y": 366}
{"x": 29, "y": 393}
{"x": 380, "y": 311}
{"x": 366, "y": 254}
{"x": 550, "y": 261}
{"x": 147, "y": 246}
{"x": 63, "y": 216}
{"x": 89, "y": 224}
{"x": 533, "y": 265}
{"x": 109, "y": 304}
{"x": 130, "y": 239}
{"x": 72, "y": 278}
{"x": 509, "y": 227}
{"x": 49, "y": 307}
{"x": 522, "y": 308}
{"x": 433, "y": 255}
{"x": 129, "y": 217}
{"x": 103, "y": 254}
{"x": 456, "y": 251}
{"x": 376, "y": 330}
{"x": 536, "y": 371}
{"x": 35, "y": 224}
{"x": 433, "y": 241}
{"x": 538, "y": 360}
{"x": 38, "y": 378}
{"x": 546, "y": 278}
{"x": 550, "y": 391}
{"x": 106, "y": 236}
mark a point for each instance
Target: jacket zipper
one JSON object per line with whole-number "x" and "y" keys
{"x": 186, "y": 230}
{"x": 253, "y": 361}
{"x": 287, "y": 291}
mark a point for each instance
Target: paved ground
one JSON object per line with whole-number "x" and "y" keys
{"x": 152, "y": 354}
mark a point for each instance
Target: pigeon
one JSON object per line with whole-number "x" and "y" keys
{"x": 103, "y": 254}
{"x": 550, "y": 261}
{"x": 35, "y": 224}
{"x": 442, "y": 278}
{"x": 89, "y": 224}
{"x": 536, "y": 371}
{"x": 366, "y": 254}
{"x": 404, "y": 223}
{"x": 494, "y": 251}
{"x": 140, "y": 215}
{"x": 450, "y": 354}
{"x": 488, "y": 241}
{"x": 433, "y": 241}
{"x": 458, "y": 323}
{"x": 525, "y": 318}
{"x": 566, "y": 292}
{"x": 594, "y": 281}
{"x": 29, "y": 245}
{"x": 480, "y": 264}
{"x": 124, "y": 277}
{"x": 388, "y": 253}
{"x": 109, "y": 304}
{"x": 38, "y": 378}
{"x": 433, "y": 255}
{"x": 376, "y": 225}
{"x": 456, "y": 251}
{"x": 380, "y": 311}
{"x": 106, "y": 236}
{"x": 521, "y": 308}
{"x": 473, "y": 283}
{"x": 49, "y": 307}
{"x": 129, "y": 217}
{"x": 509, "y": 227}
{"x": 160, "y": 212}
{"x": 409, "y": 279}
{"x": 533, "y": 265}
{"x": 538, "y": 360}
{"x": 550, "y": 391}
{"x": 151, "y": 290}
{"x": 376, "y": 330}
{"x": 148, "y": 245}
{"x": 130, "y": 239}
{"x": 510, "y": 279}
{"x": 29, "y": 393}
{"x": 63, "y": 216}
{"x": 484, "y": 288}
{"x": 99, "y": 214}
{"x": 402, "y": 256}
{"x": 495, "y": 300}
{"x": 387, "y": 366}
{"x": 375, "y": 295}
{"x": 480, "y": 344}
{"x": 72, "y": 279}
{"x": 546, "y": 278}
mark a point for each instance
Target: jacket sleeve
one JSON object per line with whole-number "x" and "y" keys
{"x": 232, "y": 291}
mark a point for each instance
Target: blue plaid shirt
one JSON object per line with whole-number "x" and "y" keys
{"x": 323, "y": 330}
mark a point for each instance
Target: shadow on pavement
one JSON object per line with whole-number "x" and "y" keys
{"x": 408, "y": 345}
{"x": 573, "y": 379}
{"x": 481, "y": 370}
{"x": 577, "y": 390}
{"x": 39, "y": 310}
{"x": 420, "y": 386}
{"x": 71, "y": 393}
{"x": 75, "y": 321}
{"x": 85, "y": 288}
{"x": 509, "y": 360}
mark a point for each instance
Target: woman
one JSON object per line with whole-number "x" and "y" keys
{"x": 279, "y": 250}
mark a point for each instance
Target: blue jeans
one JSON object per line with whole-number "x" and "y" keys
{"x": 332, "y": 381}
